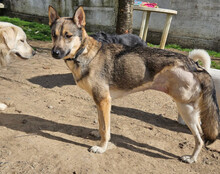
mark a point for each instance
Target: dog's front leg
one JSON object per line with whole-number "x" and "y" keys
{"x": 104, "y": 108}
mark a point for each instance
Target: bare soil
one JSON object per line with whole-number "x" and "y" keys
{"x": 45, "y": 129}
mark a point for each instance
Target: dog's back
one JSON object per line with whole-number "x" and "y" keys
{"x": 128, "y": 40}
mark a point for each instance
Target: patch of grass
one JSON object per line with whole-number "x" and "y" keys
{"x": 211, "y": 53}
{"x": 152, "y": 45}
{"x": 214, "y": 64}
{"x": 177, "y": 47}
{"x": 214, "y": 54}
{"x": 33, "y": 30}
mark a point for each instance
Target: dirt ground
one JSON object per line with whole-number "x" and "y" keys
{"x": 45, "y": 129}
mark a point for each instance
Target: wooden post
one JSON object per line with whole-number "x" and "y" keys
{"x": 146, "y": 26}
{"x": 144, "y": 16}
{"x": 165, "y": 31}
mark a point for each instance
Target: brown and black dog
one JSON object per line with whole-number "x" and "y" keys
{"x": 108, "y": 71}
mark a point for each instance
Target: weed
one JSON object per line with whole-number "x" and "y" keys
{"x": 33, "y": 30}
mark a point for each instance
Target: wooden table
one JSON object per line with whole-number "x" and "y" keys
{"x": 145, "y": 22}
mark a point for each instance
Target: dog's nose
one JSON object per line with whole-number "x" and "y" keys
{"x": 56, "y": 53}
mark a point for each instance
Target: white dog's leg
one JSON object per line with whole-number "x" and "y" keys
{"x": 180, "y": 120}
{"x": 190, "y": 115}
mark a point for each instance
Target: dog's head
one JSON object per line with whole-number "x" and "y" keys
{"x": 67, "y": 33}
{"x": 13, "y": 41}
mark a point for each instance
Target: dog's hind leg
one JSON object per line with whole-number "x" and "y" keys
{"x": 104, "y": 108}
{"x": 190, "y": 114}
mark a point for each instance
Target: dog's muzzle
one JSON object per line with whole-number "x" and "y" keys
{"x": 57, "y": 53}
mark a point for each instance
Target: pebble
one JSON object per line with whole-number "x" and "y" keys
{"x": 19, "y": 111}
{"x": 24, "y": 121}
{"x": 181, "y": 145}
{"x": 214, "y": 156}
{"x": 148, "y": 127}
{"x": 50, "y": 107}
{"x": 206, "y": 161}
{"x": 2, "y": 106}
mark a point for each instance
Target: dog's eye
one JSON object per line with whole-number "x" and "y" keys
{"x": 22, "y": 40}
{"x": 68, "y": 35}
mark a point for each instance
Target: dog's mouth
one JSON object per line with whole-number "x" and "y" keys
{"x": 67, "y": 53}
{"x": 20, "y": 56}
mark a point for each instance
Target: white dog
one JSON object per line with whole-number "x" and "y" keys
{"x": 203, "y": 56}
{"x": 13, "y": 44}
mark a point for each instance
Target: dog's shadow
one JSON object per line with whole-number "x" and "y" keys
{"x": 153, "y": 119}
{"x": 39, "y": 126}
{"x": 54, "y": 80}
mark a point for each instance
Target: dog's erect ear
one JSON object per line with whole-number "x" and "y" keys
{"x": 52, "y": 14}
{"x": 79, "y": 17}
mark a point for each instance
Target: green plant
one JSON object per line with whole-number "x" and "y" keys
{"x": 177, "y": 47}
{"x": 215, "y": 64}
{"x": 33, "y": 30}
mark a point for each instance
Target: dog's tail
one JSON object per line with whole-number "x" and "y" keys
{"x": 209, "y": 111}
{"x": 203, "y": 56}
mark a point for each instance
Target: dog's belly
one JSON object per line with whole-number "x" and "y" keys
{"x": 117, "y": 93}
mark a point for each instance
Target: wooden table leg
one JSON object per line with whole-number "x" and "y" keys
{"x": 144, "y": 16}
{"x": 146, "y": 26}
{"x": 165, "y": 31}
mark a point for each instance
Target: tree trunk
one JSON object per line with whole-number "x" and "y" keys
{"x": 125, "y": 16}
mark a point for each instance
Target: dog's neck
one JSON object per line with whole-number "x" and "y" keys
{"x": 78, "y": 53}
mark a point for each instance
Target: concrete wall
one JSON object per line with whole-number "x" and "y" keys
{"x": 100, "y": 14}
{"x": 196, "y": 25}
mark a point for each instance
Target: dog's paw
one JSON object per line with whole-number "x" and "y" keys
{"x": 97, "y": 149}
{"x": 2, "y": 106}
{"x": 95, "y": 134}
{"x": 187, "y": 159}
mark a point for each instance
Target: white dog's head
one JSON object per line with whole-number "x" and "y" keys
{"x": 13, "y": 42}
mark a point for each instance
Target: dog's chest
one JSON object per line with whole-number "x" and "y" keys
{"x": 77, "y": 70}
{"x": 80, "y": 75}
